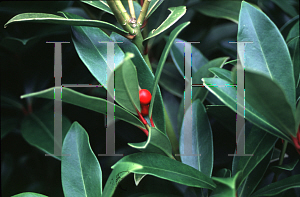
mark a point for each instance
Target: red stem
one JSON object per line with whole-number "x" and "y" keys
{"x": 142, "y": 2}
{"x": 151, "y": 121}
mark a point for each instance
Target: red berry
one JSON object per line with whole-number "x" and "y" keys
{"x": 145, "y": 110}
{"x": 145, "y": 96}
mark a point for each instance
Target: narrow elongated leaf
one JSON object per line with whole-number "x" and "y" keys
{"x": 176, "y": 14}
{"x": 54, "y": 19}
{"x": 227, "y": 94}
{"x": 285, "y": 29}
{"x": 279, "y": 186}
{"x": 126, "y": 85}
{"x": 221, "y": 73}
{"x": 92, "y": 53}
{"x": 177, "y": 54}
{"x": 29, "y": 194}
{"x": 102, "y": 5}
{"x": 80, "y": 171}
{"x": 38, "y": 130}
{"x": 220, "y": 9}
{"x": 289, "y": 166}
{"x": 145, "y": 78}
{"x": 159, "y": 166}
{"x": 294, "y": 32}
{"x": 89, "y": 102}
{"x": 154, "y": 4}
{"x": 273, "y": 105}
{"x": 157, "y": 142}
{"x": 286, "y": 7}
{"x": 268, "y": 52}
{"x": 202, "y": 141}
{"x": 162, "y": 60}
{"x": 259, "y": 143}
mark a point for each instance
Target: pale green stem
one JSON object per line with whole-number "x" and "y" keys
{"x": 122, "y": 9}
{"x": 131, "y": 9}
{"x": 143, "y": 13}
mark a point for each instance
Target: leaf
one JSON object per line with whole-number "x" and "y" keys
{"x": 162, "y": 60}
{"x": 138, "y": 178}
{"x": 268, "y": 52}
{"x": 102, "y": 5}
{"x": 154, "y": 4}
{"x": 176, "y": 14}
{"x": 259, "y": 143}
{"x": 273, "y": 105}
{"x": 285, "y": 29}
{"x": 54, "y": 19}
{"x": 227, "y": 94}
{"x": 156, "y": 165}
{"x": 38, "y": 130}
{"x": 294, "y": 32}
{"x": 145, "y": 78}
{"x": 286, "y": 7}
{"x": 177, "y": 54}
{"x": 279, "y": 186}
{"x": 157, "y": 142}
{"x": 220, "y": 9}
{"x": 224, "y": 173}
{"x": 92, "y": 53}
{"x": 89, "y": 102}
{"x": 29, "y": 194}
{"x": 126, "y": 89}
{"x": 202, "y": 141}
{"x": 80, "y": 172}
{"x": 221, "y": 73}
{"x": 288, "y": 166}
{"x": 293, "y": 45}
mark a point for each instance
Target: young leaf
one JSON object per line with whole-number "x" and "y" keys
{"x": 29, "y": 194}
{"x": 202, "y": 141}
{"x": 80, "y": 171}
{"x": 221, "y": 73}
{"x": 88, "y": 102}
{"x": 102, "y": 5}
{"x": 154, "y": 4}
{"x": 176, "y": 14}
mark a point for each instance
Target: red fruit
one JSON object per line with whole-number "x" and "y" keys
{"x": 145, "y": 110}
{"x": 145, "y": 96}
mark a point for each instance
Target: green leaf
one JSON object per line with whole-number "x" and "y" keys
{"x": 177, "y": 54}
{"x": 38, "y": 130}
{"x": 293, "y": 45}
{"x": 126, "y": 85}
{"x": 89, "y": 102}
{"x": 29, "y": 194}
{"x": 138, "y": 178}
{"x": 162, "y": 60}
{"x": 201, "y": 92}
{"x": 285, "y": 29}
{"x": 223, "y": 173}
{"x": 102, "y": 5}
{"x": 80, "y": 171}
{"x": 159, "y": 166}
{"x": 221, "y": 73}
{"x": 286, "y": 7}
{"x": 154, "y": 4}
{"x": 145, "y": 79}
{"x": 294, "y": 32}
{"x": 202, "y": 141}
{"x": 54, "y": 19}
{"x": 92, "y": 53}
{"x": 273, "y": 105}
{"x": 259, "y": 143}
{"x": 226, "y": 186}
{"x": 176, "y": 14}
{"x": 289, "y": 166}
{"x": 279, "y": 186}
{"x": 254, "y": 178}
{"x": 268, "y": 52}
{"x": 157, "y": 142}
{"x": 220, "y": 9}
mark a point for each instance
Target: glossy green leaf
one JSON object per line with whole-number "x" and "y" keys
{"x": 221, "y": 73}
{"x": 268, "y": 52}
{"x": 92, "y": 53}
{"x": 273, "y": 105}
{"x": 286, "y": 7}
{"x": 293, "y": 45}
{"x": 29, "y": 194}
{"x": 254, "y": 178}
{"x": 285, "y": 29}
{"x": 154, "y": 4}
{"x": 297, "y": 115}
{"x": 201, "y": 92}
{"x": 223, "y": 173}
{"x": 202, "y": 141}
{"x": 38, "y": 130}
{"x": 89, "y": 102}
{"x": 145, "y": 79}
{"x": 227, "y": 94}
{"x": 159, "y": 166}
{"x": 177, "y": 54}
{"x": 294, "y": 32}
{"x": 138, "y": 178}
{"x": 279, "y": 186}
{"x": 102, "y": 5}
{"x": 54, "y": 19}
{"x": 289, "y": 166}
{"x": 176, "y": 14}
{"x": 126, "y": 89}
{"x": 226, "y": 186}
{"x": 162, "y": 60}
{"x": 259, "y": 143}
{"x": 157, "y": 142}
{"x": 80, "y": 171}
{"x": 220, "y": 9}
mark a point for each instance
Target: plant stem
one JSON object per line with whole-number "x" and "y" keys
{"x": 143, "y": 13}
{"x": 131, "y": 9}
{"x": 281, "y": 158}
{"x": 122, "y": 9}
